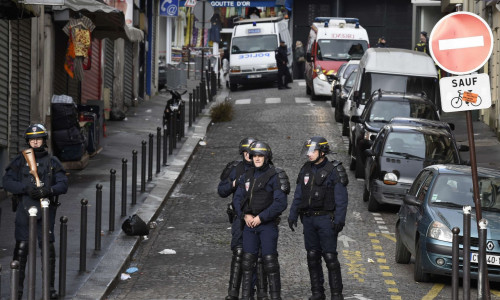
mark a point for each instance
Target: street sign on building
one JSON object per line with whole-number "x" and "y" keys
{"x": 190, "y": 3}
{"x": 466, "y": 92}
{"x": 461, "y": 42}
{"x": 169, "y": 8}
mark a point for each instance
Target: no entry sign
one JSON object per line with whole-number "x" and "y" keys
{"x": 461, "y": 43}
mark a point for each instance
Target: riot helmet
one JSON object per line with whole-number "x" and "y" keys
{"x": 261, "y": 148}
{"x": 316, "y": 143}
{"x": 36, "y": 131}
{"x": 245, "y": 144}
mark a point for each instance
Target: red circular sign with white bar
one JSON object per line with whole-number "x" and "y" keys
{"x": 461, "y": 43}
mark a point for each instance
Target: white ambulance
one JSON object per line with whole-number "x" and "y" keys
{"x": 332, "y": 42}
{"x": 252, "y": 53}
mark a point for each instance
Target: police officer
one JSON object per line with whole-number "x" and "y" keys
{"x": 321, "y": 201}
{"x": 18, "y": 181}
{"x": 227, "y": 186}
{"x": 259, "y": 200}
{"x": 284, "y": 76}
{"x": 423, "y": 46}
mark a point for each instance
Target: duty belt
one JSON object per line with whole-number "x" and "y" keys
{"x": 311, "y": 213}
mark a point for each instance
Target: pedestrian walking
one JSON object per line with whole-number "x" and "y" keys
{"x": 422, "y": 46}
{"x": 225, "y": 67}
{"x": 259, "y": 200}
{"x": 284, "y": 76}
{"x": 381, "y": 43}
{"x": 299, "y": 60}
{"x": 321, "y": 202}
{"x": 227, "y": 186}
{"x": 18, "y": 181}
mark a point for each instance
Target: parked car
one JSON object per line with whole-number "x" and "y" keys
{"x": 398, "y": 153}
{"x": 342, "y": 74}
{"x": 379, "y": 110}
{"x": 344, "y": 102}
{"x": 433, "y": 206}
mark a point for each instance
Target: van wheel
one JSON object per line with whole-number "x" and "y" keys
{"x": 339, "y": 117}
{"x": 308, "y": 90}
{"x": 345, "y": 126}
{"x": 366, "y": 194}
{"x": 360, "y": 167}
{"x": 233, "y": 86}
{"x": 373, "y": 205}
{"x": 313, "y": 95}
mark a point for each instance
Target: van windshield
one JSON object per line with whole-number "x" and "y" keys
{"x": 399, "y": 83}
{"x": 340, "y": 49}
{"x": 256, "y": 43}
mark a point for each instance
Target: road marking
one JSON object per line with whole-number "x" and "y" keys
{"x": 385, "y": 270}
{"x": 302, "y": 100}
{"x": 461, "y": 43}
{"x": 354, "y": 265}
{"x": 302, "y": 83}
{"x": 345, "y": 240}
{"x": 389, "y": 236}
{"x": 435, "y": 290}
{"x": 242, "y": 101}
{"x": 273, "y": 100}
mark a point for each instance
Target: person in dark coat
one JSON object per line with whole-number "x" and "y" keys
{"x": 423, "y": 46}
{"x": 52, "y": 182}
{"x": 381, "y": 43}
{"x": 284, "y": 76}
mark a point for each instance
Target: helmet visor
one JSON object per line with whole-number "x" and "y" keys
{"x": 309, "y": 148}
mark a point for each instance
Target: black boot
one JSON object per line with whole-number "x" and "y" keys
{"x": 334, "y": 275}
{"x": 233, "y": 291}
{"x": 316, "y": 275}
{"x": 52, "y": 270}
{"x": 261, "y": 281}
{"x": 272, "y": 269}
{"x": 21, "y": 255}
{"x": 247, "y": 265}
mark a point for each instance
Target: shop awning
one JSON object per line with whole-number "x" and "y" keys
{"x": 109, "y": 21}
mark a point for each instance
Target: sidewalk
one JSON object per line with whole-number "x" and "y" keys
{"x": 105, "y": 266}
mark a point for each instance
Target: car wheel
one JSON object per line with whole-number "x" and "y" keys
{"x": 403, "y": 256}
{"x": 352, "y": 163}
{"x": 360, "y": 167}
{"x": 418, "y": 273}
{"x": 366, "y": 194}
{"x": 339, "y": 116}
{"x": 345, "y": 127}
{"x": 313, "y": 95}
{"x": 308, "y": 90}
{"x": 233, "y": 86}
{"x": 373, "y": 205}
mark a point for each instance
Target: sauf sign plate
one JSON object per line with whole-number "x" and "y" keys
{"x": 467, "y": 92}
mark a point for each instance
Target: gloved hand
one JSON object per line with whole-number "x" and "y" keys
{"x": 34, "y": 192}
{"x": 45, "y": 191}
{"x": 292, "y": 223}
{"x": 338, "y": 227}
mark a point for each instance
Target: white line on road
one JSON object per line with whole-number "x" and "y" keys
{"x": 460, "y": 43}
{"x": 242, "y": 101}
{"x": 302, "y": 83}
{"x": 302, "y": 100}
{"x": 273, "y": 100}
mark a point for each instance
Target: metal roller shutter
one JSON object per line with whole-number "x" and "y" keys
{"x": 4, "y": 82}
{"x": 21, "y": 84}
{"x": 109, "y": 56}
{"x": 128, "y": 73}
{"x": 91, "y": 84}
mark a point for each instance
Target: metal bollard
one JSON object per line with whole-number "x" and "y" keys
{"x": 134, "y": 177}
{"x": 124, "y": 187}
{"x": 190, "y": 108}
{"x": 32, "y": 253}
{"x": 112, "y": 193}
{"x": 182, "y": 120}
{"x": 214, "y": 84}
{"x": 63, "y": 248}
{"x": 174, "y": 130}
{"x": 150, "y": 158}
{"x": 203, "y": 94}
{"x": 158, "y": 149}
{"x": 482, "y": 266}
{"x": 171, "y": 134}
{"x": 209, "y": 88}
{"x": 165, "y": 146}
{"x": 198, "y": 100}
{"x": 98, "y": 216}
{"x": 45, "y": 249}
{"x": 195, "y": 109}
{"x": 143, "y": 167}
{"x": 180, "y": 123}
{"x": 466, "y": 253}
{"x": 455, "y": 263}
{"x": 14, "y": 279}
{"x": 83, "y": 235}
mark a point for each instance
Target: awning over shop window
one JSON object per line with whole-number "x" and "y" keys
{"x": 109, "y": 21}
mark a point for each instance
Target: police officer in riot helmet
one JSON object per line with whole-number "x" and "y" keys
{"x": 227, "y": 186}
{"x": 320, "y": 200}
{"x": 259, "y": 200}
{"x": 26, "y": 193}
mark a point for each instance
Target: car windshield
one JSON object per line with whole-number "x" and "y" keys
{"x": 341, "y": 49}
{"x": 255, "y": 43}
{"x": 456, "y": 190}
{"x": 384, "y": 111}
{"x": 348, "y": 70}
{"x": 401, "y": 83}
{"x": 433, "y": 148}
{"x": 350, "y": 81}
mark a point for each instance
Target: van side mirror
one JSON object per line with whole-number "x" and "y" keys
{"x": 308, "y": 57}
{"x": 356, "y": 119}
{"x": 411, "y": 200}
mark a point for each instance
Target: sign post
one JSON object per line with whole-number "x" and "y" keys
{"x": 461, "y": 43}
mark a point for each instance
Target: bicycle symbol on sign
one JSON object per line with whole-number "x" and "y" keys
{"x": 456, "y": 102}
